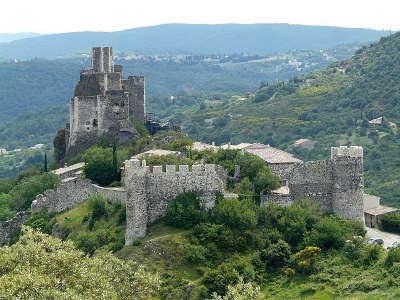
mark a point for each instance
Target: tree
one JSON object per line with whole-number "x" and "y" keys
{"x": 45, "y": 168}
{"x": 184, "y": 211}
{"x": 277, "y": 255}
{"x": 240, "y": 291}
{"x": 39, "y": 266}
{"x": 102, "y": 164}
{"x": 59, "y": 146}
{"x": 236, "y": 214}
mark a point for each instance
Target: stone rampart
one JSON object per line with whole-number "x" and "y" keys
{"x": 72, "y": 191}
{"x": 11, "y": 227}
{"x": 151, "y": 189}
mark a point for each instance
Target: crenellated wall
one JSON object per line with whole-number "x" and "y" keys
{"x": 151, "y": 189}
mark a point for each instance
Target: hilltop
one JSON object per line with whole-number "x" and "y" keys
{"x": 332, "y": 106}
{"x": 192, "y": 38}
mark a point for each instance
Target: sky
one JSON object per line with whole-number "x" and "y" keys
{"x": 53, "y": 16}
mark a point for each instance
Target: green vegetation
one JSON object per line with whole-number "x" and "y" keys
{"x": 18, "y": 194}
{"x": 275, "y": 252}
{"x": 331, "y": 106}
{"x": 92, "y": 225}
{"x": 14, "y": 162}
{"x": 391, "y": 222}
{"x": 102, "y": 165}
{"x": 43, "y": 267}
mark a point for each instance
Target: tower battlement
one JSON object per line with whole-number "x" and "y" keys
{"x": 151, "y": 189}
{"x": 344, "y": 151}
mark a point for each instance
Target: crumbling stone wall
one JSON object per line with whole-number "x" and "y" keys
{"x": 9, "y": 228}
{"x": 149, "y": 191}
{"x": 336, "y": 184}
{"x": 72, "y": 191}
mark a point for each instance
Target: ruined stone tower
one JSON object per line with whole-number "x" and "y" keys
{"x": 104, "y": 104}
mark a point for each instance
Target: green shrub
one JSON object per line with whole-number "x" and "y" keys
{"x": 86, "y": 241}
{"x": 98, "y": 207}
{"x": 27, "y": 188}
{"x": 391, "y": 222}
{"x": 5, "y": 210}
{"x": 236, "y": 214}
{"x": 371, "y": 254}
{"x": 276, "y": 255}
{"x": 392, "y": 257}
{"x": 42, "y": 221}
{"x": 6, "y": 185}
{"x": 305, "y": 259}
{"x": 184, "y": 211}
{"x": 327, "y": 234}
{"x": 102, "y": 165}
{"x": 353, "y": 248}
{"x": 195, "y": 254}
{"x": 217, "y": 280}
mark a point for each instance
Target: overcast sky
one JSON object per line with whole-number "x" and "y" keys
{"x": 48, "y": 16}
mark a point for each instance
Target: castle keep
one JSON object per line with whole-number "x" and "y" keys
{"x": 104, "y": 103}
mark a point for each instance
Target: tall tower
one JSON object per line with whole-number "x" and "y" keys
{"x": 104, "y": 104}
{"x": 348, "y": 183}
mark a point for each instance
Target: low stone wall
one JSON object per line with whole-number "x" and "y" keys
{"x": 279, "y": 199}
{"x": 11, "y": 227}
{"x": 72, "y": 191}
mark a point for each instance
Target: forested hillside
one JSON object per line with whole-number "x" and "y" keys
{"x": 34, "y": 94}
{"x": 332, "y": 106}
{"x": 192, "y": 38}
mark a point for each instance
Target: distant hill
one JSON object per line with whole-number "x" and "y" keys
{"x": 9, "y": 37}
{"x": 190, "y": 38}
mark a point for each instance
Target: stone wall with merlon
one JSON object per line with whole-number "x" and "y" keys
{"x": 151, "y": 189}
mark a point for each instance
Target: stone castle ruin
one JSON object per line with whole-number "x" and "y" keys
{"x": 104, "y": 103}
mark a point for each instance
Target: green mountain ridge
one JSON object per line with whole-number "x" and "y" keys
{"x": 331, "y": 106}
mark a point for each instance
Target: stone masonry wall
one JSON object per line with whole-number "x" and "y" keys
{"x": 313, "y": 180}
{"x": 336, "y": 184}
{"x": 72, "y": 191}
{"x": 11, "y": 227}
{"x": 150, "y": 191}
